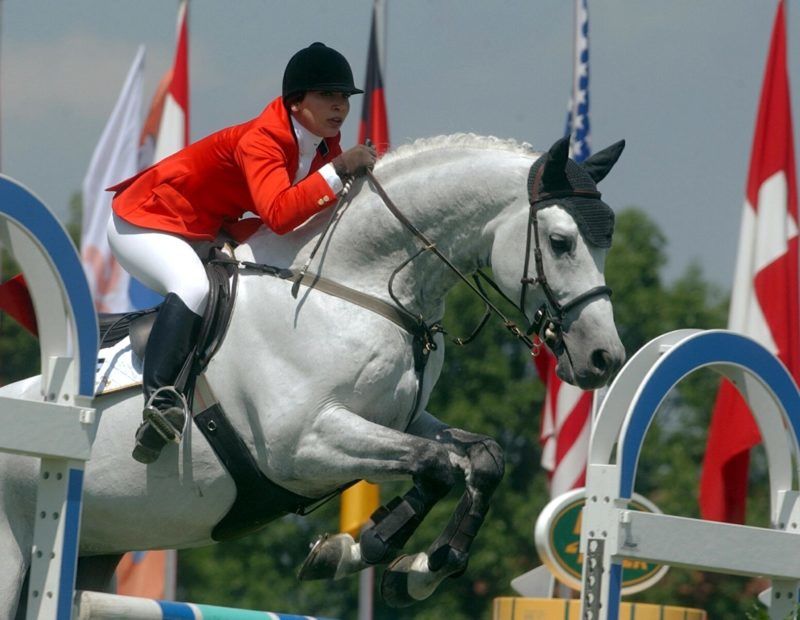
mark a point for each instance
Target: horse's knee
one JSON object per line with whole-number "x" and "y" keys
{"x": 487, "y": 464}
{"x": 434, "y": 471}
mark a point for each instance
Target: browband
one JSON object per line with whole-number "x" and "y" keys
{"x": 566, "y": 193}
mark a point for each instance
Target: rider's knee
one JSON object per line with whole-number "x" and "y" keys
{"x": 194, "y": 294}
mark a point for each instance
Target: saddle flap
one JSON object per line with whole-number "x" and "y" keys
{"x": 139, "y": 332}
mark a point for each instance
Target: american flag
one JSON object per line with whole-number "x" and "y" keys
{"x": 578, "y": 127}
{"x": 567, "y": 411}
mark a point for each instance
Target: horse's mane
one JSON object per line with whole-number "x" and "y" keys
{"x": 405, "y": 152}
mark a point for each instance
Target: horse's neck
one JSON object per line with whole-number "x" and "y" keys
{"x": 451, "y": 196}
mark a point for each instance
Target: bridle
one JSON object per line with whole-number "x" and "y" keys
{"x": 549, "y": 317}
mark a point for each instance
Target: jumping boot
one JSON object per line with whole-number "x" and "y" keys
{"x": 171, "y": 341}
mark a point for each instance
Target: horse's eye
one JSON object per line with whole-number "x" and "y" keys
{"x": 560, "y": 244}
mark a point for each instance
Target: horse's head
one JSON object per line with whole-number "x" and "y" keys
{"x": 551, "y": 256}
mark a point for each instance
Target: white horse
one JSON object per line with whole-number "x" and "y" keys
{"x": 323, "y": 391}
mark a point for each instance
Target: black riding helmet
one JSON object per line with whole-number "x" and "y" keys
{"x": 318, "y": 67}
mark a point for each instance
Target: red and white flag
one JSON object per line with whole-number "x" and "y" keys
{"x": 764, "y": 301}
{"x": 374, "y": 124}
{"x": 173, "y": 129}
{"x": 565, "y": 428}
{"x": 15, "y": 300}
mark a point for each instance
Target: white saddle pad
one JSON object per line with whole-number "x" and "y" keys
{"x": 118, "y": 368}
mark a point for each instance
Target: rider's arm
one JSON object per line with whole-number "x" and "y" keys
{"x": 281, "y": 205}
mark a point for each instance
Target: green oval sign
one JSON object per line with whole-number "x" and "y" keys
{"x": 557, "y": 537}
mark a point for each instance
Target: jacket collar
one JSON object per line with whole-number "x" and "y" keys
{"x": 307, "y": 142}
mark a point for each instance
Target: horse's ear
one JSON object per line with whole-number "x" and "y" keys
{"x": 601, "y": 162}
{"x": 554, "y": 175}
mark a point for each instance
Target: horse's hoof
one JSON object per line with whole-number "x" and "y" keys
{"x": 407, "y": 581}
{"x": 328, "y": 555}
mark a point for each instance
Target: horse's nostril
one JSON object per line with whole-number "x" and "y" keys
{"x": 601, "y": 360}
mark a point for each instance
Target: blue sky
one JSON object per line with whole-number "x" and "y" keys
{"x": 678, "y": 80}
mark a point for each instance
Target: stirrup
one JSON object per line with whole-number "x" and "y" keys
{"x": 159, "y": 422}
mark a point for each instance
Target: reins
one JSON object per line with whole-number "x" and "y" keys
{"x": 548, "y": 318}
{"x": 430, "y": 246}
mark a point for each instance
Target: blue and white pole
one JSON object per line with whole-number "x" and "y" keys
{"x": 59, "y": 425}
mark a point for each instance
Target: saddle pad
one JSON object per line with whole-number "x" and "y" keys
{"x": 118, "y": 368}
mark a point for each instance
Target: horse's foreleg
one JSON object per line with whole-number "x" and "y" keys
{"x": 384, "y": 535}
{"x": 433, "y": 471}
{"x": 412, "y": 578}
{"x": 390, "y": 526}
{"x": 17, "y": 510}
{"x": 12, "y": 576}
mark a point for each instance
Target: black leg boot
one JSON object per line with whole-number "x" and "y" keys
{"x": 171, "y": 341}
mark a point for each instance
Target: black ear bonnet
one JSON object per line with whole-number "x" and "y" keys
{"x": 556, "y": 179}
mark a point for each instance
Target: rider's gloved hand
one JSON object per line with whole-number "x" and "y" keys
{"x": 355, "y": 162}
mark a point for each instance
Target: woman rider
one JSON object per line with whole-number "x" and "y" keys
{"x": 285, "y": 165}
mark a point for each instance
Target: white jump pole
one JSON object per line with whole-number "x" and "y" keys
{"x": 611, "y": 532}
{"x": 96, "y": 606}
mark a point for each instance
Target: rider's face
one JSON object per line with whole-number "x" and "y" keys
{"x": 322, "y": 112}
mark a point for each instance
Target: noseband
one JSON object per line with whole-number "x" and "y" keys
{"x": 549, "y": 317}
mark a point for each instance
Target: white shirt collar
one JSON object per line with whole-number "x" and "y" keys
{"x": 306, "y": 141}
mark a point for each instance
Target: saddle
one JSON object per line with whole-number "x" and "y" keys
{"x": 222, "y": 276}
{"x": 258, "y": 499}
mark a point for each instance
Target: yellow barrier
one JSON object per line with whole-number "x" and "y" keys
{"x": 518, "y": 608}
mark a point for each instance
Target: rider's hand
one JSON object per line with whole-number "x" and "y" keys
{"x": 355, "y": 161}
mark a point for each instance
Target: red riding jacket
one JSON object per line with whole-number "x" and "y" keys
{"x": 213, "y": 182}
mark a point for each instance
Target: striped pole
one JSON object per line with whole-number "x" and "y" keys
{"x": 97, "y": 606}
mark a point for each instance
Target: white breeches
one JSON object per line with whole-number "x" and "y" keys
{"x": 165, "y": 262}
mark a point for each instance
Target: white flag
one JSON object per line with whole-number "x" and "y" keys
{"x": 114, "y": 160}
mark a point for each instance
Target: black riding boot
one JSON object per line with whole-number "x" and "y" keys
{"x": 171, "y": 341}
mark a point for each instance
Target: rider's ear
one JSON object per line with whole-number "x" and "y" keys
{"x": 554, "y": 175}
{"x": 598, "y": 165}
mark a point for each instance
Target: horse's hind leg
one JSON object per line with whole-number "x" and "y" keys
{"x": 17, "y": 509}
{"x": 12, "y": 576}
